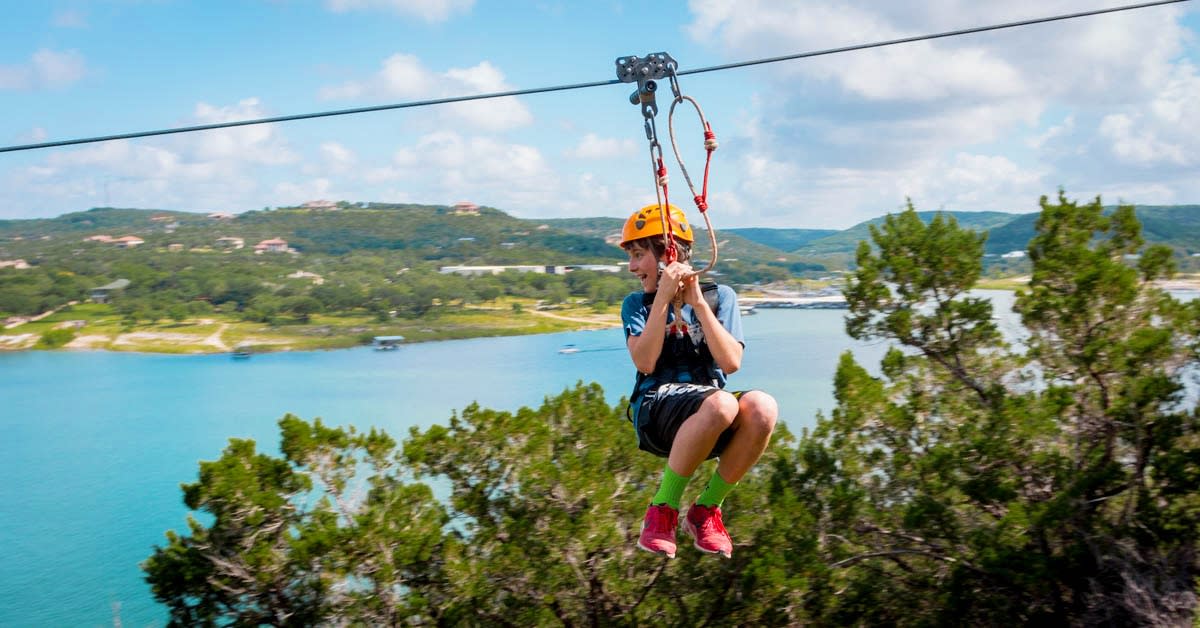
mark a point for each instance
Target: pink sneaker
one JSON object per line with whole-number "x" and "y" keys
{"x": 706, "y": 527}
{"x": 658, "y": 530}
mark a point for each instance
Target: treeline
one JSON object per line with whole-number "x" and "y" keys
{"x": 268, "y": 289}
{"x": 971, "y": 482}
{"x": 381, "y": 258}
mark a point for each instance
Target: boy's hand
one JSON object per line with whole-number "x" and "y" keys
{"x": 692, "y": 295}
{"x": 671, "y": 279}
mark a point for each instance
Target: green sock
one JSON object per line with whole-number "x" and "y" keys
{"x": 671, "y": 489}
{"x": 715, "y": 492}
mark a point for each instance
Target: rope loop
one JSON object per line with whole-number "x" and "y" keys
{"x": 710, "y": 145}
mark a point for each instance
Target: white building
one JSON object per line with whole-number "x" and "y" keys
{"x": 273, "y": 245}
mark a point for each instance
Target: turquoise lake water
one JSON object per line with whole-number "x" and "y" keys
{"x": 95, "y": 445}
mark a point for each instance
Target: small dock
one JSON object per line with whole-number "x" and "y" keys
{"x": 805, "y": 302}
{"x": 387, "y": 343}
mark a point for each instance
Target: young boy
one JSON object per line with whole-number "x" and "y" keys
{"x": 679, "y": 408}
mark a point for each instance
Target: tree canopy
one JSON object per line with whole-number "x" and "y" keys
{"x": 984, "y": 474}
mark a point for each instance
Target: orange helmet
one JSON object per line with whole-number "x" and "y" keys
{"x": 647, "y": 222}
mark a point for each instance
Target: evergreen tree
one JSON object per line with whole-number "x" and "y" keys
{"x": 1053, "y": 480}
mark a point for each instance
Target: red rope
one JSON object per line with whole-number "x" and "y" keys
{"x": 671, "y": 254}
{"x": 710, "y": 144}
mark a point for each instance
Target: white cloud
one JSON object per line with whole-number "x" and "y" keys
{"x": 756, "y": 190}
{"x": 338, "y": 157}
{"x": 593, "y": 146}
{"x": 69, "y": 18}
{"x": 404, "y": 76}
{"x": 985, "y": 121}
{"x": 56, "y": 69}
{"x": 258, "y": 143}
{"x": 227, "y": 169}
{"x": 292, "y": 193}
{"x": 428, "y": 10}
{"x": 447, "y": 166}
{"x": 46, "y": 69}
{"x": 34, "y": 135}
{"x": 1167, "y": 132}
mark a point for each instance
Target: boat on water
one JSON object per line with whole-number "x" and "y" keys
{"x": 747, "y": 310}
{"x": 387, "y": 343}
{"x": 569, "y": 349}
{"x": 242, "y": 352}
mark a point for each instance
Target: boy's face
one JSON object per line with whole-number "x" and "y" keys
{"x": 643, "y": 264}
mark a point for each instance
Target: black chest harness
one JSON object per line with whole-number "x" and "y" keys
{"x": 683, "y": 359}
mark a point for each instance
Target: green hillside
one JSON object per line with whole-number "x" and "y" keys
{"x": 782, "y": 239}
{"x": 1177, "y": 226}
{"x": 847, "y": 241}
{"x": 416, "y": 232}
{"x": 96, "y": 221}
{"x": 599, "y": 227}
{"x": 745, "y": 255}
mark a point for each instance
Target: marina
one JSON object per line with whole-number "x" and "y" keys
{"x": 801, "y": 302}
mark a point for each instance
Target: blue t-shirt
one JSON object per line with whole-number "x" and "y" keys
{"x": 686, "y": 359}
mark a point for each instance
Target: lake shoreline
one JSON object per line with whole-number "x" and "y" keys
{"x": 209, "y": 336}
{"x": 214, "y": 337}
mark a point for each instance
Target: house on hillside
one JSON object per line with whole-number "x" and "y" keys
{"x": 304, "y": 274}
{"x": 105, "y": 293}
{"x": 322, "y": 205}
{"x": 230, "y": 242}
{"x": 18, "y": 264}
{"x": 128, "y": 242}
{"x": 465, "y": 208}
{"x": 598, "y": 268}
{"x": 99, "y": 238}
{"x": 472, "y": 271}
{"x": 274, "y": 245}
{"x": 221, "y": 216}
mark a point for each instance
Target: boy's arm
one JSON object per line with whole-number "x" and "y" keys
{"x": 646, "y": 348}
{"x": 726, "y": 350}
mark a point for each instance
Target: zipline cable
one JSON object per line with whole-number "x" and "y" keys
{"x": 559, "y": 88}
{"x": 908, "y": 40}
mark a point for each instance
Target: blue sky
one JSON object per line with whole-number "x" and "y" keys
{"x": 1106, "y": 105}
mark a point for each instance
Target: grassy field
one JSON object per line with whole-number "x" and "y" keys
{"x": 98, "y": 327}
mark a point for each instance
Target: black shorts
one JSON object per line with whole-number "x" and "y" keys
{"x": 663, "y": 411}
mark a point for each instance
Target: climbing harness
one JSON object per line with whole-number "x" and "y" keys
{"x": 646, "y": 72}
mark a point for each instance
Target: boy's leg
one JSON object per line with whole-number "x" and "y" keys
{"x": 687, "y": 421}
{"x": 752, "y": 428}
{"x": 699, "y": 433}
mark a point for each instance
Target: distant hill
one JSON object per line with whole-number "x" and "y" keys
{"x": 782, "y": 239}
{"x": 847, "y": 241}
{"x": 96, "y": 220}
{"x": 597, "y": 227}
{"x": 420, "y": 232}
{"x": 732, "y": 243}
{"x": 1177, "y": 226}
{"x": 491, "y": 236}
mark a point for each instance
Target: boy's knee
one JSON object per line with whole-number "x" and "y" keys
{"x": 723, "y": 406}
{"x": 760, "y": 409}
